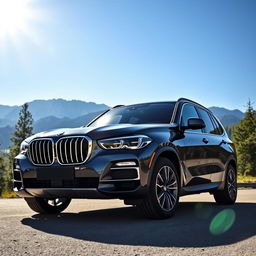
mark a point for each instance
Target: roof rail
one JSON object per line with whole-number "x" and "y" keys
{"x": 117, "y": 106}
{"x": 185, "y": 99}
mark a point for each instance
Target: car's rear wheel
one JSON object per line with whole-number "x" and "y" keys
{"x": 163, "y": 195}
{"x": 229, "y": 193}
{"x": 50, "y": 206}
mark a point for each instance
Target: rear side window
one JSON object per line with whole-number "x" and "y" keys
{"x": 218, "y": 129}
{"x": 209, "y": 128}
{"x": 188, "y": 111}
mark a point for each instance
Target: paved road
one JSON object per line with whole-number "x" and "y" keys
{"x": 107, "y": 227}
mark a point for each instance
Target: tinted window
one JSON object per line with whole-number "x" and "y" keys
{"x": 149, "y": 113}
{"x": 188, "y": 111}
{"x": 209, "y": 128}
{"x": 218, "y": 129}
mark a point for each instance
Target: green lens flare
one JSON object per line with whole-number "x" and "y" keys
{"x": 222, "y": 222}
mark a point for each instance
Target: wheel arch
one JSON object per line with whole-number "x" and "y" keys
{"x": 172, "y": 155}
{"x": 231, "y": 161}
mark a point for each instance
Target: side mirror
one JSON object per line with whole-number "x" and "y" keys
{"x": 194, "y": 124}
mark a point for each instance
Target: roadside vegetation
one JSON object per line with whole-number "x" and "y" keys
{"x": 246, "y": 179}
{"x": 23, "y": 129}
{"x": 244, "y": 137}
{"x": 243, "y": 134}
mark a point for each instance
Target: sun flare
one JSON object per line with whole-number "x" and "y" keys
{"x": 14, "y": 17}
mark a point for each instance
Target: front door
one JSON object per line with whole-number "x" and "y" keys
{"x": 196, "y": 151}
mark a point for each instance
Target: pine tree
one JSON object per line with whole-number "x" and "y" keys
{"x": 23, "y": 129}
{"x": 245, "y": 141}
{"x": 2, "y": 170}
{"x": 230, "y": 130}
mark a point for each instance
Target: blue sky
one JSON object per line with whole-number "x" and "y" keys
{"x": 129, "y": 51}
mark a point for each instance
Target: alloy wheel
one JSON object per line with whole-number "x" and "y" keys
{"x": 166, "y": 188}
{"x": 232, "y": 184}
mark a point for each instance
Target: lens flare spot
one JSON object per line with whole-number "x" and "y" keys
{"x": 222, "y": 222}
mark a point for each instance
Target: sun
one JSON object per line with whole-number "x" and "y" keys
{"x": 14, "y": 17}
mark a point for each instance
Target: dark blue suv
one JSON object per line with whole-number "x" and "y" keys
{"x": 146, "y": 154}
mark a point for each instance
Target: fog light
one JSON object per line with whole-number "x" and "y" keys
{"x": 130, "y": 163}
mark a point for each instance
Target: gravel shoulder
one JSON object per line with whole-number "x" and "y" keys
{"x": 107, "y": 227}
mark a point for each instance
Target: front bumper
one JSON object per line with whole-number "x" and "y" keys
{"x": 99, "y": 177}
{"x": 89, "y": 193}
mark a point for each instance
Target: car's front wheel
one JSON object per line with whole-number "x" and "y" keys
{"x": 163, "y": 195}
{"x": 229, "y": 193}
{"x": 50, "y": 206}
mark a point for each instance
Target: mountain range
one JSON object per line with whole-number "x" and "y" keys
{"x": 60, "y": 113}
{"x": 58, "y": 108}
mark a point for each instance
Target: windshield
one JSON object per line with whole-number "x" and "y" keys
{"x": 148, "y": 113}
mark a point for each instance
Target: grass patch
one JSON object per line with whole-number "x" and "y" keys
{"x": 8, "y": 194}
{"x": 246, "y": 179}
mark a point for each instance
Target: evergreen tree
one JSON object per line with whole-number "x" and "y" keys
{"x": 2, "y": 170}
{"x": 23, "y": 129}
{"x": 245, "y": 141}
{"x": 230, "y": 130}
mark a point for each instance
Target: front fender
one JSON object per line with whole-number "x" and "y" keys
{"x": 168, "y": 151}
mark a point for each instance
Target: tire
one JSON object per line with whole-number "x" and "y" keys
{"x": 163, "y": 194}
{"x": 47, "y": 206}
{"x": 229, "y": 193}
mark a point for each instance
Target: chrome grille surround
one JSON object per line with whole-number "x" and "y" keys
{"x": 69, "y": 150}
{"x": 73, "y": 150}
{"x": 41, "y": 151}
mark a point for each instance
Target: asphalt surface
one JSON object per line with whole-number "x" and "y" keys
{"x": 107, "y": 227}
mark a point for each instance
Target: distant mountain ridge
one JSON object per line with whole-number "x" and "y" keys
{"x": 226, "y": 116}
{"x": 52, "y": 122}
{"x": 59, "y": 108}
{"x": 60, "y": 113}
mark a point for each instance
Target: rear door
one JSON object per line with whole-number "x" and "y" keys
{"x": 213, "y": 141}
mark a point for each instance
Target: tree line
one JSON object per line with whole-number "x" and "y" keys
{"x": 243, "y": 134}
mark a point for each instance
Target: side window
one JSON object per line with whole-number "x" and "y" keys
{"x": 209, "y": 128}
{"x": 188, "y": 111}
{"x": 218, "y": 129}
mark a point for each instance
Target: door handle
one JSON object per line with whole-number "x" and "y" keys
{"x": 205, "y": 140}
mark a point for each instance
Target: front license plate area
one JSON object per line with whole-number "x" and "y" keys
{"x": 58, "y": 174}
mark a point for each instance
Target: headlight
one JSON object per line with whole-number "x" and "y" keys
{"x": 23, "y": 147}
{"x": 130, "y": 142}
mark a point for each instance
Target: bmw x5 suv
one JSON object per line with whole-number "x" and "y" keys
{"x": 146, "y": 154}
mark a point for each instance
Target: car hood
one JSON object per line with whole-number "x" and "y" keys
{"x": 101, "y": 132}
